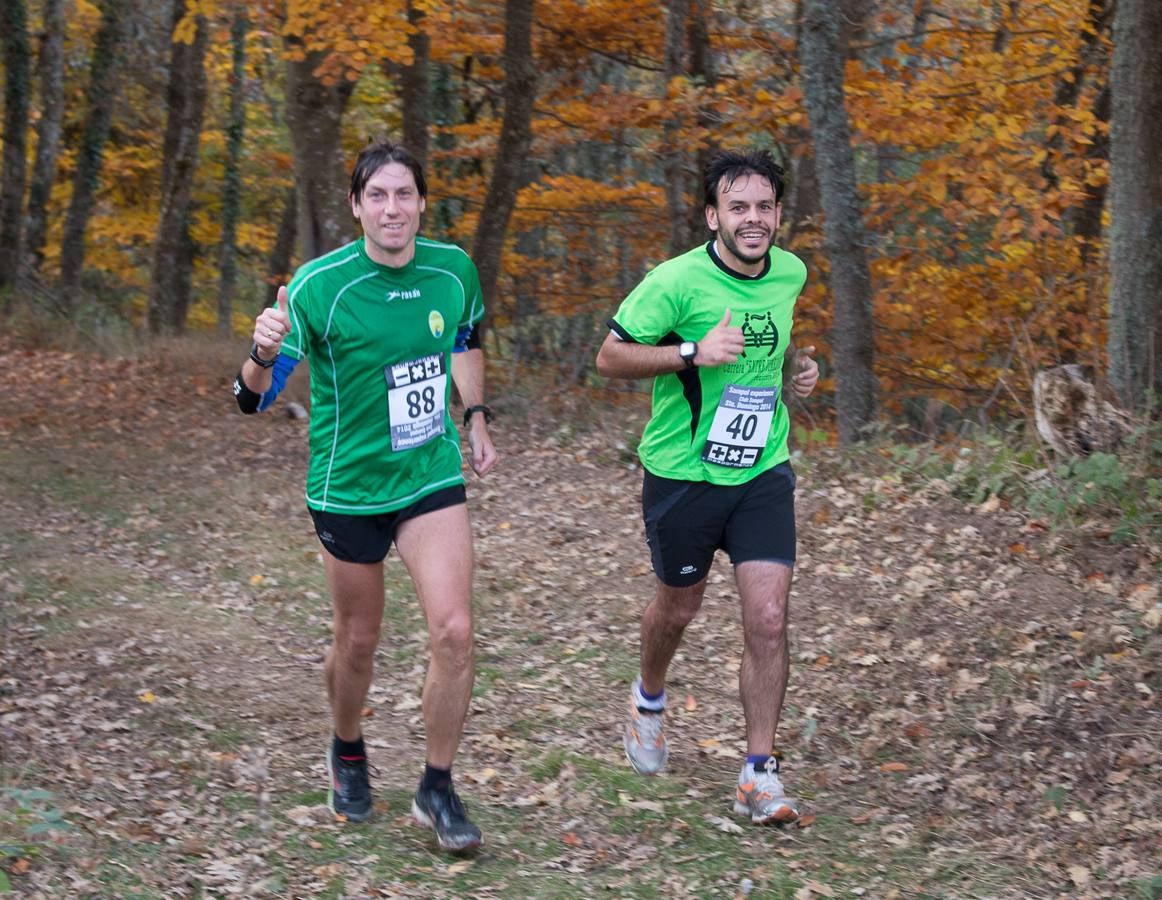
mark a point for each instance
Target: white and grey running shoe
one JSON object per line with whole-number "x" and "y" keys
{"x": 760, "y": 795}
{"x": 645, "y": 740}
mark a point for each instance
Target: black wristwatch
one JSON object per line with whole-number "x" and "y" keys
{"x": 478, "y": 408}
{"x": 258, "y": 360}
{"x": 688, "y": 350}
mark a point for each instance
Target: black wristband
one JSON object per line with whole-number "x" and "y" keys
{"x": 258, "y": 360}
{"x": 478, "y": 408}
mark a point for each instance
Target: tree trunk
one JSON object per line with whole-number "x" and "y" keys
{"x": 673, "y": 152}
{"x": 844, "y": 239}
{"x": 415, "y": 92}
{"x": 17, "y": 88}
{"x": 513, "y": 149}
{"x": 1091, "y": 53}
{"x": 703, "y": 72}
{"x": 100, "y": 96}
{"x": 314, "y": 112}
{"x": 1135, "y": 343}
{"x": 169, "y": 293}
{"x": 801, "y": 203}
{"x": 51, "y": 67}
{"x": 231, "y": 178}
{"x": 279, "y": 267}
{"x": 1084, "y": 220}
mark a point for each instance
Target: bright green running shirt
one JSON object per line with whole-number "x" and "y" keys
{"x": 723, "y": 424}
{"x": 380, "y": 344}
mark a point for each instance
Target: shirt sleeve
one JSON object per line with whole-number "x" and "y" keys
{"x": 299, "y": 300}
{"x": 473, "y": 298}
{"x": 651, "y": 312}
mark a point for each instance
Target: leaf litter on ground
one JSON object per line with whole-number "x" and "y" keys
{"x": 973, "y": 706}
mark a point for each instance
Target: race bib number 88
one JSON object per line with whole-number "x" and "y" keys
{"x": 741, "y": 424}
{"x": 415, "y": 400}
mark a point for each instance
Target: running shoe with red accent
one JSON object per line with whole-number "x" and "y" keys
{"x": 349, "y": 787}
{"x": 760, "y": 795}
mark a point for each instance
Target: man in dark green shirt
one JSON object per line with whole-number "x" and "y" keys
{"x": 712, "y": 327}
{"x": 388, "y": 322}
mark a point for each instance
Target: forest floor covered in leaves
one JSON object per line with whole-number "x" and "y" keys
{"x": 973, "y": 708}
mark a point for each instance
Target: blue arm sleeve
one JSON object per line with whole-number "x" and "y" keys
{"x": 467, "y": 338}
{"x": 283, "y": 366}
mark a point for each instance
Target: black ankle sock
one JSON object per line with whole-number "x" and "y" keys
{"x": 349, "y": 751}
{"x": 435, "y": 779}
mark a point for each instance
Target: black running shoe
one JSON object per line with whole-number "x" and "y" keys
{"x": 443, "y": 812}
{"x": 349, "y": 794}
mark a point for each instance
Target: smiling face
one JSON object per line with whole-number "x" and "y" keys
{"x": 745, "y": 219}
{"x": 389, "y": 209}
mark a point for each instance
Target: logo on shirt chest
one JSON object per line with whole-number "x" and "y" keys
{"x": 413, "y": 294}
{"x": 759, "y": 331}
{"x": 436, "y": 323}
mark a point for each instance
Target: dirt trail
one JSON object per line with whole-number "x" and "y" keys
{"x": 973, "y": 707}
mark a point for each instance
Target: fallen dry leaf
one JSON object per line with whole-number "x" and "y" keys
{"x": 724, "y": 824}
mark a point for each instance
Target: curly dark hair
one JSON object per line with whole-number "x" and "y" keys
{"x": 730, "y": 164}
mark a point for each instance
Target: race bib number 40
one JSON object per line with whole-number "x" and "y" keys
{"x": 415, "y": 400}
{"x": 741, "y": 424}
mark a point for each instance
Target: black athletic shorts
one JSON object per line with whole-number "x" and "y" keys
{"x": 366, "y": 539}
{"x": 686, "y": 521}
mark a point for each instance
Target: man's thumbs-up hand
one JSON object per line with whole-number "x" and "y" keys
{"x": 272, "y": 325}
{"x": 722, "y": 344}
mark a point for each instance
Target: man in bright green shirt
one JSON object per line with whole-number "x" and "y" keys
{"x": 388, "y": 322}
{"x": 712, "y": 327}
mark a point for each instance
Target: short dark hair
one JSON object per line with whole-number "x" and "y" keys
{"x": 730, "y": 164}
{"x": 378, "y": 154}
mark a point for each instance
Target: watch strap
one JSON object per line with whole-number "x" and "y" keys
{"x": 258, "y": 360}
{"x": 477, "y": 408}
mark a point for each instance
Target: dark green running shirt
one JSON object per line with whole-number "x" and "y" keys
{"x": 723, "y": 424}
{"x": 380, "y": 344}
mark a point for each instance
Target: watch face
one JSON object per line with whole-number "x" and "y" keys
{"x": 687, "y": 350}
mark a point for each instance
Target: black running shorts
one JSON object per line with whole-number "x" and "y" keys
{"x": 366, "y": 539}
{"x": 687, "y": 521}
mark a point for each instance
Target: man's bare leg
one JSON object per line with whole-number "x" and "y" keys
{"x": 762, "y": 683}
{"x": 356, "y": 615}
{"x": 662, "y": 627}
{"x": 765, "y": 588}
{"x": 663, "y": 624}
{"x": 356, "y": 611}
{"x": 437, "y": 550}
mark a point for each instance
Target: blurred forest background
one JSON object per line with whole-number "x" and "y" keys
{"x": 975, "y": 186}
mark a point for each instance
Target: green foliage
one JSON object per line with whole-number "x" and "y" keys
{"x": 1119, "y": 494}
{"x": 1101, "y": 486}
{"x": 28, "y": 816}
{"x": 1056, "y": 796}
{"x": 995, "y": 468}
{"x": 806, "y": 438}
